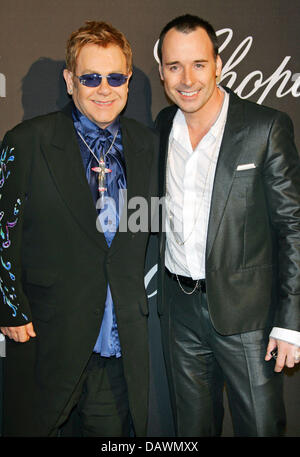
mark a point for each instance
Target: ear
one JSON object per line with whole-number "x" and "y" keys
{"x": 126, "y": 85}
{"x": 218, "y": 66}
{"x": 68, "y": 76}
{"x": 161, "y": 71}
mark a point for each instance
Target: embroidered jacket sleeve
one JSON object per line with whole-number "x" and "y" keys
{"x": 14, "y": 181}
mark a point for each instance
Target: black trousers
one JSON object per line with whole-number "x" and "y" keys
{"x": 200, "y": 361}
{"x": 99, "y": 406}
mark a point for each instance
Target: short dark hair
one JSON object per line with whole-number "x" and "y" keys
{"x": 186, "y": 24}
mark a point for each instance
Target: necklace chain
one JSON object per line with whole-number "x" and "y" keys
{"x": 179, "y": 242}
{"x": 169, "y": 211}
{"x": 185, "y": 291}
{"x": 104, "y": 155}
{"x": 101, "y": 161}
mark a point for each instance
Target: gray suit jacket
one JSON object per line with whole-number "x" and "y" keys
{"x": 253, "y": 243}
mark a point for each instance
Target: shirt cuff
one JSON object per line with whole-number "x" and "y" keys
{"x": 284, "y": 334}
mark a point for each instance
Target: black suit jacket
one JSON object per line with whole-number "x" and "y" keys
{"x": 253, "y": 243}
{"x": 61, "y": 265}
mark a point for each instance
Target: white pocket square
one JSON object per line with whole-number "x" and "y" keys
{"x": 246, "y": 166}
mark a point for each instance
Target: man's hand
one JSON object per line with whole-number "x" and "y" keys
{"x": 286, "y": 356}
{"x": 19, "y": 334}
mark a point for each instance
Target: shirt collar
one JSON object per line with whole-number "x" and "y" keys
{"x": 114, "y": 126}
{"x": 221, "y": 119}
{"x": 111, "y": 128}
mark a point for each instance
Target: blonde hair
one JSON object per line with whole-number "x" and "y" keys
{"x": 99, "y": 33}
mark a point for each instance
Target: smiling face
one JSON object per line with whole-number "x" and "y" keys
{"x": 104, "y": 103}
{"x": 189, "y": 70}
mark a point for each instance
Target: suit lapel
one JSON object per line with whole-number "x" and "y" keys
{"x": 65, "y": 164}
{"x": 137, "y": 176}
{"x": 165, "y": 130}
{"x": 164, "y": 126}
{"x": 231, "y": 147}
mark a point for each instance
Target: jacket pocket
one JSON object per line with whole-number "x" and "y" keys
{"x": 40, "y": 277}
{"x": 40, "y": 290}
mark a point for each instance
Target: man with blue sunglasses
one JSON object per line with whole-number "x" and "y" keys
{"x": 74, "y": 308}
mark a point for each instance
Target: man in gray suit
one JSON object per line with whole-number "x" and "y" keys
{"x": 229, "y": 266}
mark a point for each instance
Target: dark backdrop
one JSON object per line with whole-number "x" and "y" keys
{"x": 261, "y": 61}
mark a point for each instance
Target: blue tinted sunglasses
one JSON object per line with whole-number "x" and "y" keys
{"x": 94, "y": 79}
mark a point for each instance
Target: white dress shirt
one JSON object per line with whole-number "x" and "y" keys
{"x": 190, "y": 177}
{"x": 189, "y": 185}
